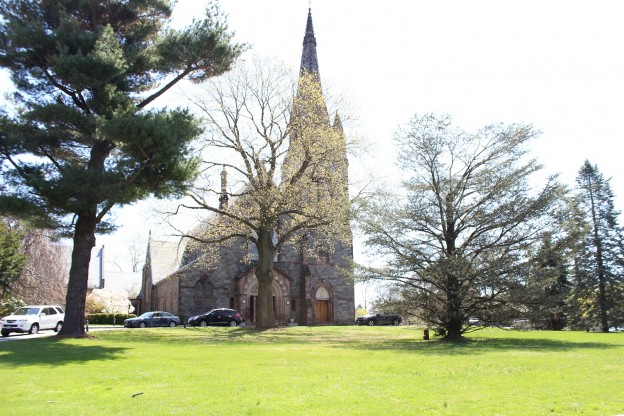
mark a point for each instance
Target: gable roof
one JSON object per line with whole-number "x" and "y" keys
{"x": 164, "y": 258}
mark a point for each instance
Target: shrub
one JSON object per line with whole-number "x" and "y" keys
{"x": 108, "y": 318}
{"x": 9, "y": 305}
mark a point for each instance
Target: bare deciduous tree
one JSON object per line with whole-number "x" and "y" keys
{"x": 288, "y": 164}
{"x": 44, "y": 279}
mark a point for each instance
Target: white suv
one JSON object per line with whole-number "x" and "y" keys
{"x": 33, "y": 318}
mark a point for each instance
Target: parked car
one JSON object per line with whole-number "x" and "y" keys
{"x": 523, "y": 324}
{"x": 379, "y": 319}
{"x": 33, "y": 318}
{"x": 155, "y": 318}
{"x": 474, "y": 321}
{"x": 220, "y": 316}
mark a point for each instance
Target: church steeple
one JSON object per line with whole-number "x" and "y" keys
{"x": 309, "y": 60}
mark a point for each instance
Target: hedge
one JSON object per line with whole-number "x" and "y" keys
{"x": 108, "y": 318}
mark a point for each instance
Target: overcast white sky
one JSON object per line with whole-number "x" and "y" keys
{"x": 557, "y": 64}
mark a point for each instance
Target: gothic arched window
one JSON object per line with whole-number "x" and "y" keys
{"x": 203, "y": 294}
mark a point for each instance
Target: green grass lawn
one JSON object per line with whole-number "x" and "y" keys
{"x": 313, "y": 371}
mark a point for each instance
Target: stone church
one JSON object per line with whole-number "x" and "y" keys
{"x": 306, "y": 290}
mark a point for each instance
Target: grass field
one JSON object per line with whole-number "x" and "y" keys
{"x": 313, "y": 371}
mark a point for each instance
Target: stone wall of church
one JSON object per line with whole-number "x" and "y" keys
{"x": 343, "y": 284}
{"x": 204, "y": 287}
{"x": 198, "y": 287}
{"x": 310, "y": 273}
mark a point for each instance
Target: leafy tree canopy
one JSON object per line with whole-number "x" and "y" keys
{"x": 85, "y": 73}
{"x": 12, "y": 259}
{"x": 457, "y": 234}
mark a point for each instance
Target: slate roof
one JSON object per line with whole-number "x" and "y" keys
{"x": 165, "y": 258}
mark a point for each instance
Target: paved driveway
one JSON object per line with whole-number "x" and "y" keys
{"x": 14, "y": 336}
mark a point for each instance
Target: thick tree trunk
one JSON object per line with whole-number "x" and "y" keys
{"x": 84, "y": 241}
{"x": 454, "y": 330}
{"x": 265, "y": 316}
{"x": 453, "y": 324}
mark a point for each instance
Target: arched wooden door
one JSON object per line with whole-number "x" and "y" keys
{"x": 321, "y": 306}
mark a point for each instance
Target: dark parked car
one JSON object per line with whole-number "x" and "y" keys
{"x": 219, "y": 316}
{"x": 156, "y": 318}
{"x": 379, "y": 319}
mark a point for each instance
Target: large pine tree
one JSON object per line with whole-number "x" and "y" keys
{"x": 83, "y": 138}
{"x": 599, "y": 265}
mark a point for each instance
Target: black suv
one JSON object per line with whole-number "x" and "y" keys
{"x": 219, "y": 316}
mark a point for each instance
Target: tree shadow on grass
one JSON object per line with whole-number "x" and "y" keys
{"x": 389, "y": 341}
{"x": 54, "y": 352}
{"x": 179, "y": 335}
{"x": 478, "y": 346}
{"x": 354, "y": 338}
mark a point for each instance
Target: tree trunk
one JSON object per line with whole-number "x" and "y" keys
{"x": 84, "y": 241}
{"x": 454, "y": 330}
{"x": 602, "y": 301}
{"x": 453, "y": 324}
{"x": 265, "y": 316}
{"x": 602, "y": 296}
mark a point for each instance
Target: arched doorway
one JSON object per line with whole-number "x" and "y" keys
{"x": 248, "y": 294}
{"x": 322, "y": 312}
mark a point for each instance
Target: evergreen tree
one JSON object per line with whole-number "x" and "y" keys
{"x": 599, "y": 263}
{"x": 457, "y": 236}
{"x": 11, "y": 257}
{"x": 548, "y": 286}
{"x": 84, "y": 139}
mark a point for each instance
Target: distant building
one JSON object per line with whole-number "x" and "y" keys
{"x": 306, "y": 290}
{"x": 104, "y": 274}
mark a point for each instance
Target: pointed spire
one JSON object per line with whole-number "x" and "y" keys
{"x": 223, "y": 199}
{"x": 309, "y": 60}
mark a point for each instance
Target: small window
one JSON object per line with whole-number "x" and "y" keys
{"x": 51, "y": 311}
{"x": 322, "y": 294}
